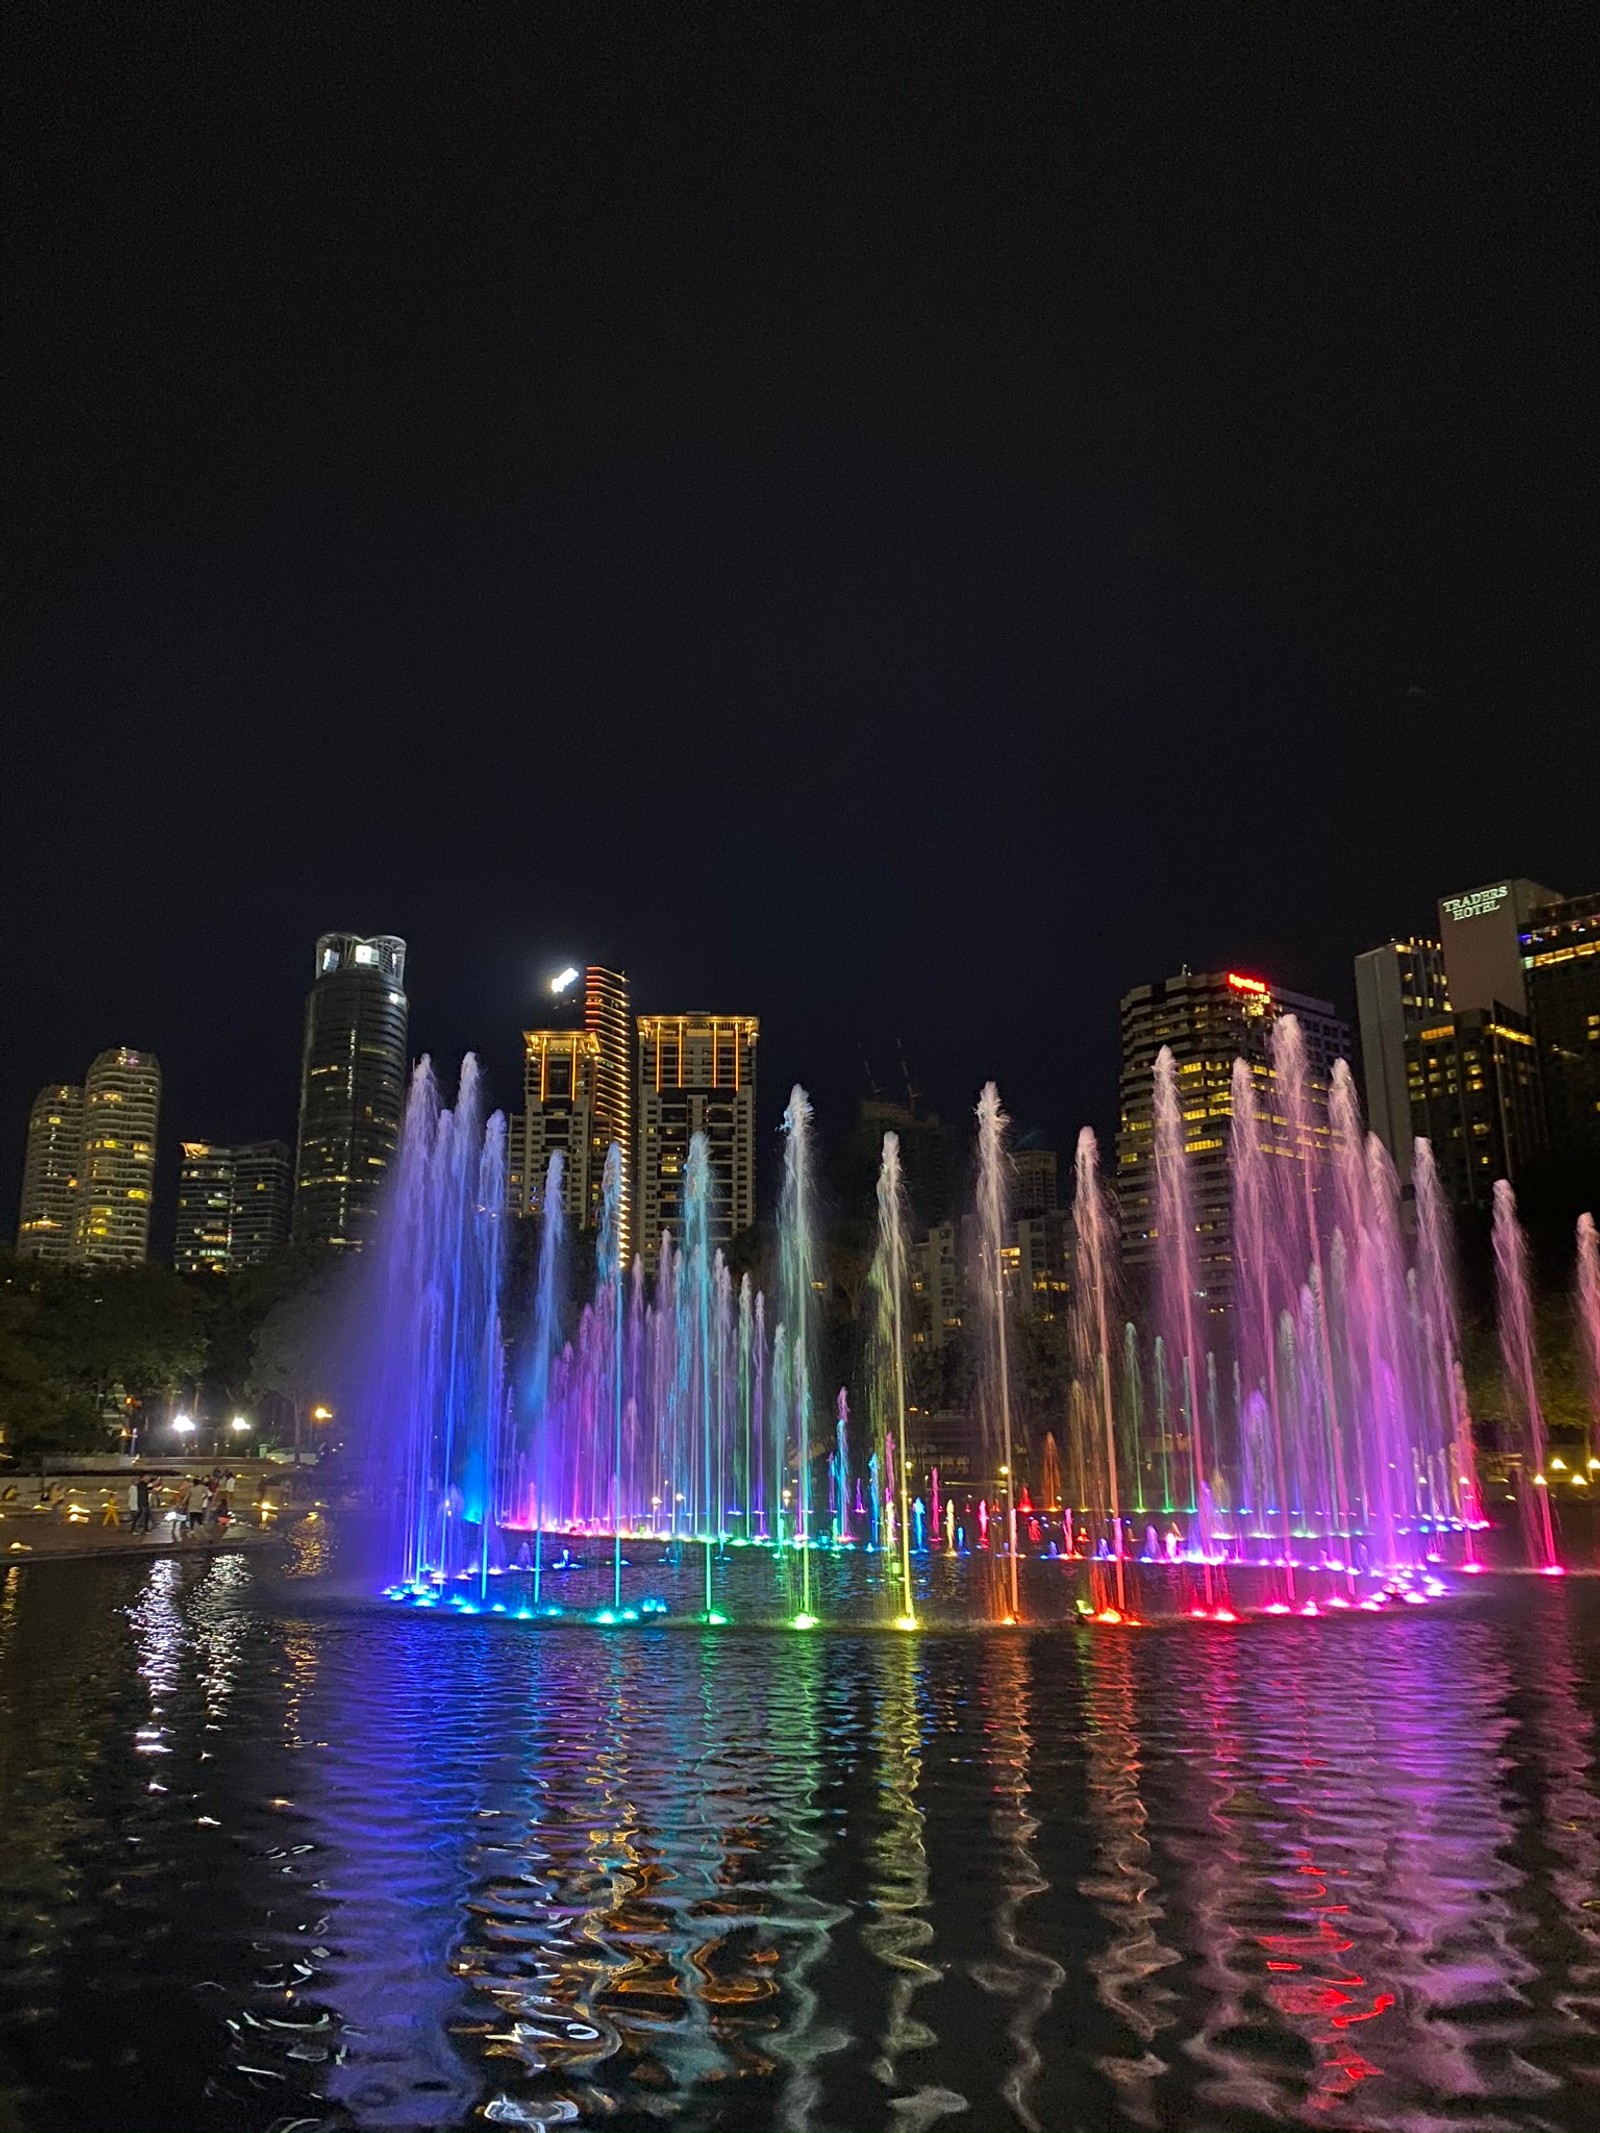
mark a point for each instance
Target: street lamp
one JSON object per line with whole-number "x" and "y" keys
{"x": 322, "y": 1414}
{"x": 240, "y": 1423}
{"x": 184, "y": 1425}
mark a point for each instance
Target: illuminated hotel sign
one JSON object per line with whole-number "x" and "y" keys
{"x": 1254, "y": 985}
{"x": 1478, "y": 905}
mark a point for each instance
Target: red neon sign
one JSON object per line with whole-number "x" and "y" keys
{"x": 1246, "y": 984}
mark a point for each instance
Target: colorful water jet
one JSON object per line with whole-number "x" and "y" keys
{"x": 1302, "y": 1443}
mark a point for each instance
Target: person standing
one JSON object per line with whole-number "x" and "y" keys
{"x": 142, "y": 1521}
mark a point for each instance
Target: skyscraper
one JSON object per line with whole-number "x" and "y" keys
{"x": 205, "y": 1201}
{"x": 608, "y": 1019}
{"x": 558, "y": 1097}
{"x": 48, "y": 1224}
{"x": 233, "y": 1205}
{"x": 1208, "y": 1020}
{"x": 352, "y": 1085}
{"x": 697, "y": 1074}
{"x": 1560, "y": 945}
{"x": 1399, "y": 988}
{"x": 116, "y": 1178}
{"x": 1475, "y": 1094}
{"x": 1481, "y": 935}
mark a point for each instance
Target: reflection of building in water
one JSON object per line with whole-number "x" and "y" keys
{"x": 1123, "y": 1886}
{"x": 1341, "y": 1874}
{"x": 900, "y": 1930}
{"x": 1023, "y": 1975}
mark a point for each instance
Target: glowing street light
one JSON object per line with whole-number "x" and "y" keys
{"x": 322, "y": 1414}
{"x": 239, "y": 1422}
{"x": 184, "y": 1425}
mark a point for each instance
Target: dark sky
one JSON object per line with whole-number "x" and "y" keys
{"x": 907, "y": 521}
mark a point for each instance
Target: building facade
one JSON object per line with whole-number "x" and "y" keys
{"x": 1560, "y": 945}
{"x": 205, "y": 1204}
{"x": 1480, "y": 933}
{"x": 558, "y": 1098}
{"x": 1033, "y": 1181}
{"x": 1475, "y": 1094}
{"x": 1208, "y": 1020}
{"x": 233, "y": 1205}
{"x": 352, "y": 1086}
{"x": 697, "y": 1074}
{"x": 1400, "y": 989}
{"x": 608, "y": 1020}
{"x": 116, "y": 1176}
{"x": 47, "y": 1225}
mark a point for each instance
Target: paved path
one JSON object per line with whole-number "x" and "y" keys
{"x": 28, "y": 1537}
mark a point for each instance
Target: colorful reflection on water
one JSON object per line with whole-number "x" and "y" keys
{"x": 272, "y": 1862}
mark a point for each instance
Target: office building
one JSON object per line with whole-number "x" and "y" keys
{"x": 48, "y": 1224}
{"x": 1480, "y": 932}
{"x": 1208, "y": 1020}
{"x": 352, "y": 1086}
{"x": 205, "y": 1205}
{"x": 263, "y": 1187}
{"x": 116, "y": 1175}
{"x": 1400, "y": 987}
{"x": 1560, "y": 944}
{"x": 559, "y": 1069}
{"x": 697, "y": 1074}
{"x": 233, "y": 1205}
{"x": 1474, "y": 1086}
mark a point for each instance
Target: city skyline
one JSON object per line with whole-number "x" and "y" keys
{"x": 1409, "y": 1083}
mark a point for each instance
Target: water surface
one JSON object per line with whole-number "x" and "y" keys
{"x": 268, "y": 1860}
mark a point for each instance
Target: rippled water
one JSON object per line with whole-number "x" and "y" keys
{"x": 269, "y": 1861}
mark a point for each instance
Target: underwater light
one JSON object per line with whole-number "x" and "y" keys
{"x": 803, "y": 1622}
{"x": 906, "y": 1622}
{"x": 715, "y": 1620}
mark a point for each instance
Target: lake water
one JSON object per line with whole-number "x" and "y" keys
{"x": 270, "y": 1860}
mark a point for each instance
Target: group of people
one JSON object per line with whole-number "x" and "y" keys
{"x": 191, "y": 1504}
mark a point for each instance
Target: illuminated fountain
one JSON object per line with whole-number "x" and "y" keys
{"x": 652, "y": 1449}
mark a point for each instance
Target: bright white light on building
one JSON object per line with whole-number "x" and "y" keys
{"x": 563, "y": 979}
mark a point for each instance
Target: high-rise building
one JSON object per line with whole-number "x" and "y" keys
{"x": 205, "y": 1203}
{"x": 352, "y": 1085}
{"x": 608, "y": 1019}
{"x": 1480, "y": 932}
{"x": 1208, "y": 1019}
{"x": 48, "y": 1225}
{"x": 1400, "y": 987}
{"x": 697, "y": 1074}
{"x": 558, "y": 1097}
{"x": 1475, "y": 1094}
{"x": 924, "y": 1157}
{"x": 1033, "y": 1181}
{"x": 263, "y": 1186}
{"x": 1560, "y": 945}
{"x": 116, "y": 1177}
{"x": 233, "y": 1205}
{"x": 936, "y": 1287}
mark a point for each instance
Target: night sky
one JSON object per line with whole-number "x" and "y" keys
{"x": 905, "y": 521}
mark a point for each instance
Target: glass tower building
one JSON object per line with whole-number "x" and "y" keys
{"x": 352, "y": 1086}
